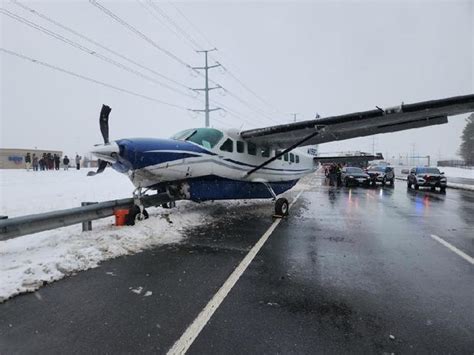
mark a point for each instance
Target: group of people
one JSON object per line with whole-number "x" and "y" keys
{"x": 49, "y": 161}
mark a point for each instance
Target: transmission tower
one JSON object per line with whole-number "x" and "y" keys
{"x": 206, "y": 90}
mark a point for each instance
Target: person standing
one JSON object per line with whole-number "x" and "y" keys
{"x": 57, "y": 161}
{"x": 35, "y": 162}
{"x": 47, "y": 161}
{"x": 66, "y": 162}
{"x": 78, "y": 162}
{"x": 28, "y": 161}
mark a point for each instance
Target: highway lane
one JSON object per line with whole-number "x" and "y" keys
{"x": 349, "y": 268}
{"x": 345, "y": 274}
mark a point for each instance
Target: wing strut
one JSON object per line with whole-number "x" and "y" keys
{"x": 282, "y": 153}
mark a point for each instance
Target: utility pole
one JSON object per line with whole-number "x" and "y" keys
{"x": 206, "y": 90}
{"x": 294, "y": 114}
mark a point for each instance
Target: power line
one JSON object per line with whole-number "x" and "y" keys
{"x": 178, "y": 30}
{"x": 97, "y": 43}
{"x": 154, "y": 44}
{"x": 88, "y": 50}
{"x": 146, "y": 7}
{"x": 196, "y": 29}
{"x": 138, "y": 33}
{"x": 226, "y": 69}
{"x": 248, "y": 88}
{"x": 253, "y": 108}
{"x": 86, "y": 78}
{"x": 234, "y": 113}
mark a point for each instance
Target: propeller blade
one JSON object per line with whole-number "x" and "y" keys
{"x": 102, "y": 165}
{"x": 104, "y": 122}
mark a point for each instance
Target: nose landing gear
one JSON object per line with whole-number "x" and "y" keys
{"x": 138, "y": 211}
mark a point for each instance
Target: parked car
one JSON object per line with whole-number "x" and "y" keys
{"x": 355, "y": 176}
{"x": 382, "y": 174}
{"x": 426, "y": 177}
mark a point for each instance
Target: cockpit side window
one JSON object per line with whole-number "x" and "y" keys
{"x": 206, "y": 137}
{"x": 228, "y": 145}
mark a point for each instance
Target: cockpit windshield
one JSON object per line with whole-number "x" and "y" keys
{"x": 181, "y": 136}
{"x": 206, "y": 137}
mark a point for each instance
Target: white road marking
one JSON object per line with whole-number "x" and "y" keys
{"x": 185, "y": 341}
{"x": 454, "y": 249}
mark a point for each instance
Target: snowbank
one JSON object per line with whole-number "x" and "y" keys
{"x": 29, "y": 262}
{"x": 28, "y": 192}
{"x": 457, "y": 172}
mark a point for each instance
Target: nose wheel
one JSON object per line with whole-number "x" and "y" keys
{"x": 137, "y": 212}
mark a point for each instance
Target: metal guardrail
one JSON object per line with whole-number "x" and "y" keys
{"x": 19, "y": 226}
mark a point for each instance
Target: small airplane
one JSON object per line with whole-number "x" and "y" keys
{"x": 202, "y": 164}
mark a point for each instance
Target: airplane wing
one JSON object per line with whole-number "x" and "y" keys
{"x": 360, "y": 124}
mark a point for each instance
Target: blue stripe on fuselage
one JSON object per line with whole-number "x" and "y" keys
{"x": 143, "y": 152}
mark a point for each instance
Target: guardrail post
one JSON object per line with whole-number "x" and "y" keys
{"x": 87, "y": 225}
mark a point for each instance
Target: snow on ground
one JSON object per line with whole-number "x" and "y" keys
{"x": 29, "y": 262}
{"x": 450, "y": 172}
{"x": 457, "y": 172}
{"x": 28, "y": 192}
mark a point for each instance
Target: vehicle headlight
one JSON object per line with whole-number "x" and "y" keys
{"x": 351, "y": 177}
{"x": 443, "y": 179}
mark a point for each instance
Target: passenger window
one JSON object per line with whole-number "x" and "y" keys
{"x": 265, "y": 152}
{"x": 251, "y": 149}
{"x": 292, "y": 157}
{"x": 285, "y": 156}
{"x": 297, "y": 159}
{"x": 278, "y": 151}
{"x": 240, "y": 147}
{"x": 228, "y": 145}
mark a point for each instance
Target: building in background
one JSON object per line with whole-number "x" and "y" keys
{"x": 15, "y": 158}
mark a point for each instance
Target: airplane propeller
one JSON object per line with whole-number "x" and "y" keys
{"x": 104, "y": 122}
{"x": 104, "y": 129}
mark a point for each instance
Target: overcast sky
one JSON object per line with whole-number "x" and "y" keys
{"x": 304, "y": 57}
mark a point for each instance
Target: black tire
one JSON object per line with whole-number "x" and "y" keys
{"x": 133, "y": 215}
{"x": 391, "y": 182}
{"x": 442, "y": 189}
{"x": 346, "y": 182}
{"x": 417, "y": 187}
{"x": 384, "y": 181}
{"x": 281, "y": 207}
{"x": 408, "y": 184}
{"x": 433, "y": 188}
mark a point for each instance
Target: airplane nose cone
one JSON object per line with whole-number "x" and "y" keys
{"x": 108, "y": 152}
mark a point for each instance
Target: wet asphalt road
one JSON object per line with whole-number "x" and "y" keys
{"x": 347, "y": 269}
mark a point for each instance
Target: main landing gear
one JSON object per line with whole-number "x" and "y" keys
{"x": 138, "y": 211}
{"x": 281, "y": 204}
